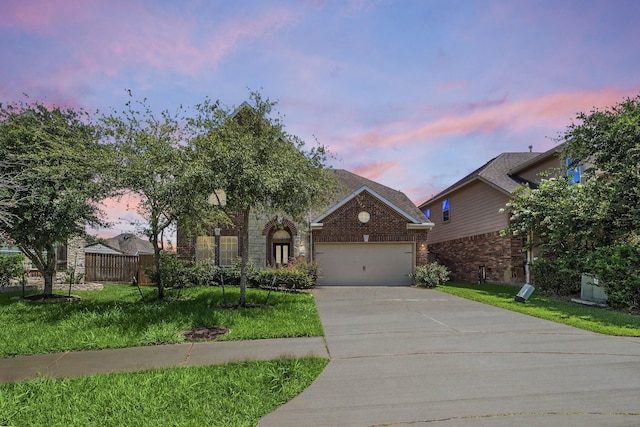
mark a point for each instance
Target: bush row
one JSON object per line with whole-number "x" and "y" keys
{"x": 178, "y": 273}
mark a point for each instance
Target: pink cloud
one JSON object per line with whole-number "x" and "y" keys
{"x": 374, "y": 170}
{"x": 552, "y": 111}
{"x": 118, "y": 36}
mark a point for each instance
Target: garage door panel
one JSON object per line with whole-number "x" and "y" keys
{"x": 364, "y": 263}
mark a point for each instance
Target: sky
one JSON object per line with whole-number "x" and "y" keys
{"x": 413, "y": 94}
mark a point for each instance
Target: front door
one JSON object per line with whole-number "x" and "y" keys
{"x": 281, "y": 253}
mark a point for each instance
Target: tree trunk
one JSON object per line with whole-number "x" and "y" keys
{"x": 244, "y": 236}
{"x": 156, "y": 258}
{"x": 49, "y": 270}
{"x": 48, "y": 283}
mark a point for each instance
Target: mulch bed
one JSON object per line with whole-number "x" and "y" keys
{"x": 205, "y": 333}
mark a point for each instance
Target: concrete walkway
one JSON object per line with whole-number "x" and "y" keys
{"x": 413, "y": 357}
{"x": 80, "y": 363}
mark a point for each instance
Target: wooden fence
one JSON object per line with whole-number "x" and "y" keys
{"x": 117, "y": 268}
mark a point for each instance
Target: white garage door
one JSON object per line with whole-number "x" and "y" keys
{"x": 364, "y": 263}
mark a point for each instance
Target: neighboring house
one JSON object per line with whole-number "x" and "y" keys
{"x": 130, "y": 244}
{"x": 100, "y": 248}
{"x": 466, "y": 237}
{"x": 369, "y": 235}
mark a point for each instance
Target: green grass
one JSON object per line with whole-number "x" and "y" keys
{"x": 116, "y": 317}
{"x": 236, "y": 394}
{"x": 596, "y": 319}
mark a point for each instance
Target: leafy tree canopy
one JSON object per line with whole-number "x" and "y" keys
{"x": 60, "y": 172}
{"x": 155, "y": 162}
{"x": 258, "y": 164}
{"x": 608, "y": 144}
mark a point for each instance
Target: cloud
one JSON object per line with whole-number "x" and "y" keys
{"x": 105, "y": 38}
{"x": 374, "y": 170}
{"x": 552, "y": 111}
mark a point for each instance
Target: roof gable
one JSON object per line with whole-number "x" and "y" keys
{"x": 496, "y": 173}
{"x": 374, "y": 194}
{"x": 352, "y": 183}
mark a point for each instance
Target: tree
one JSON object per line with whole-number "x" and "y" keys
{"x": 609, "y": 142}
{"x": 155, "y": 163}
{"x": 8, "y": 193}
{"x": 595, "y": 225}
{"x": 60, "y": 172}
{"x": 259, "y": 165}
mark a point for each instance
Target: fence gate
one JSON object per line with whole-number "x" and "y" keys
{"x": 146, "y": 263}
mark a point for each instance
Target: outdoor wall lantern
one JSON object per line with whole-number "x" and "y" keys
{"x": 216, "y": 231}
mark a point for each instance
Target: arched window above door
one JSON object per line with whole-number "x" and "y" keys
{"x": 281, "y": 234}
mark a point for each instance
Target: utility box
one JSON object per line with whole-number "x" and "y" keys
{"x": 591, "y": 291}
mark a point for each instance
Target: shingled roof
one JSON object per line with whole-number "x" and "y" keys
{"x": 130, "y": 244}
{"x": 496, "y": 172}
{"x": 351, "y": 183}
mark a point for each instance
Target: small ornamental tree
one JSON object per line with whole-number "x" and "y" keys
{"x": 60, "y": 172}
{"x": 156, "y": 163}
{"x": 259, "y": 165}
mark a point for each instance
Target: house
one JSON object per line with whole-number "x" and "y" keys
{"x": 130, "y": 244}
{"x": 369, "y": 235}
{"x": 466, "y": 237}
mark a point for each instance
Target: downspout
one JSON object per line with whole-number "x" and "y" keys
{"x": 527, "y": 267}
{"x": 310, "y": 242}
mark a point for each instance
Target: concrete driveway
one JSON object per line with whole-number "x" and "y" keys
{"x": 402, "y": 356}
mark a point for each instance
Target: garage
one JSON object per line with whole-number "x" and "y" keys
{"x": 382, "y": 264}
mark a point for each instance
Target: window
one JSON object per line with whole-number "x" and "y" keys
{"x": 573, "y": 173}
{"x": 206, "y": 248}
{"x": 427, "y": 213}
{"x": 228, "y": 250}
{"x": 445, "y": 210}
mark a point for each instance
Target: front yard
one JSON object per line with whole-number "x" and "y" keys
{"x": 596, "y": 319}
{"x": 116, "y": 317}
{"x": 235, "y": 394}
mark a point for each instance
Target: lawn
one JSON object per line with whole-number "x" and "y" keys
{"x": 596, "y": 319}
{"x": 117, "y": 317}
{"x": 236, "y": 394}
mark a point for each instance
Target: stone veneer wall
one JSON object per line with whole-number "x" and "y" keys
{"x": 502, "y": 257}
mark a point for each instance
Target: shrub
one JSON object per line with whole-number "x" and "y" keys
{"x": 298, "y": 274}
{"x": 10, "y": 268}
{"x": 203, "y": 273}
{"x": 618, "y": 269}
{"x": 559, "y": 276}
{"x": 173, "y": 270}
{"x": 285, "y": 277}
{"x": 430, "y": 275}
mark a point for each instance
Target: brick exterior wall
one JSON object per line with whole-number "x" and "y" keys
{"x": 385, "y": 225}
{"x": 502, "y": 257}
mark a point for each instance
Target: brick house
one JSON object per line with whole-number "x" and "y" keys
{"x": 370, "y": 234}
{"x": 466, "y": 237}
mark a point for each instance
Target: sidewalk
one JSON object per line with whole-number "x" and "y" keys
{"x": 80, "y": 363}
